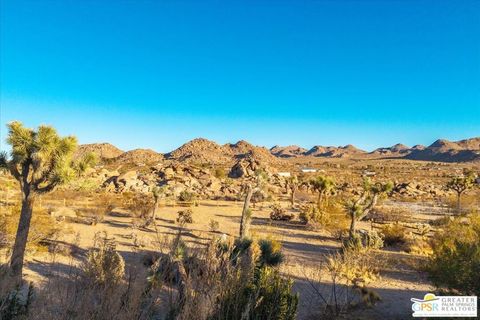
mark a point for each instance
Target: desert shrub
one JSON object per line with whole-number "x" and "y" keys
{"x": 312, "y": 215}
{"x": 443, "y": 221}
{"x": 104, "y": 265}
{"x": 394, "y": 233}
{"x": 280, "y": 214}
{"x": 270, "y": 252}
{"x": 226, "y": 281}
{"x": 417, "y": 245}
{"x": 455, "y": 263}
{"x": 186, "y": 196}
{"x": 141, "y": 205}
{"x": 214, "y": 225}
{"x": 363, "y": 240}
{"x": 259, "y": 291}
{"x": 220, "y": 173}
{"x": 185, "y": 216}
{"x": 349, "y": 273}
{"x": 71, "y": 297}
{"x": 274, "y": 297}
{"x": 260, "y": 195}
{"x": 356, "y": 268}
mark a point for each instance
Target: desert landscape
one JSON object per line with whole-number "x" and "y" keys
{"x": 239, "y": 160}
{"x": 158, "y": 213}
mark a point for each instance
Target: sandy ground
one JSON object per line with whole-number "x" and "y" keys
{"x": 304, "y": 249}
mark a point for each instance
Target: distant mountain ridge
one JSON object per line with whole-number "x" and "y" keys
{"x": 447, "y": 151}
{"x": 202, "y": 150}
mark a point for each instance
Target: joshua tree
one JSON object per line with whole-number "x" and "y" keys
{"x": 460, "y": 185}
{"x": 250, "y": 189}
{"x": 246, "y": 213}
{"x": 157, "y": 193}
{"x": 292, "y": 184}
{"x": 361, "y": 207}
{"x": 40, "y": 160}
{"x": 324, "y": 185}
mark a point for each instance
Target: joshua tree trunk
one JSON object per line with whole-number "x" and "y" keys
{"x": 459, "y": 206}
{"x": 245, "y": 222}
{"x": 155, "y": 209}
{"x": 353, "y": 225}
{"x": 364, "y": 212}
{"x": 16, "y": 263}
{"x": 319, "y": 200}
{"x": 292, "y": 199}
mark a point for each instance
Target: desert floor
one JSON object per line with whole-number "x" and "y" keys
{"x": 304, "y": 250}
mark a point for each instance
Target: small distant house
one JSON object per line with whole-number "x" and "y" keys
{"x": 367, "y": 173}
{"x": 309, "y": 170}
{"x": 284, "y": 174}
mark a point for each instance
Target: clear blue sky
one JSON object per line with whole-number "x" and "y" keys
{"x": 155, "y": 74}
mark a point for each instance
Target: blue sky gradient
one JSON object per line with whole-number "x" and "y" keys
{"x": 154, "y": 74}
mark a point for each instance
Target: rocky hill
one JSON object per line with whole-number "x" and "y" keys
{"x": 203, "y": 151}
{"x": 335, "y": 152}
{"x": 101, "y": 150}
{"x": 243, "y": 149}
{"x": 396, "y": 150}
{"x": 448, "y": 151}
{"x": 288, "y": 151}
{"x": 200, "y": 150}
{"x": 139, "y": 156}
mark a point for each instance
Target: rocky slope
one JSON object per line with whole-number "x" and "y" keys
{"x": 335, "y": 152}
{"x": 288, "y": 151}
{"x": 139, "y": 156}
{"x": 205, "y": 151}
{"x": 396, "y": 150}
{"x": 448, "y": 151}
{"x": 101, "y": 150}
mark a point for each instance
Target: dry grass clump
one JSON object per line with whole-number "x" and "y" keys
{"x": 42, "y": 227}
{"x": 140, "y": 205}
{"x": 314, "y": 217}
{"x": 418, "y": 246}
{"x": 349, "y": 272}
{"x": 104, "y": 265}
{"x": 394, "y": 234}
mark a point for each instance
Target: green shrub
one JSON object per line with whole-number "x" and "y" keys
{"x": 185, "y": 216}
{"x": 270, "y": 252}
{"x": 274, "y": 297}
{"x": 186, "y": 196}
{"x": 311, "y": 215}
{"x": 363, "y": 240}
{"x": 455, "y": 263}
{"x": 220, "y": 173}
